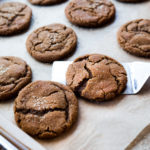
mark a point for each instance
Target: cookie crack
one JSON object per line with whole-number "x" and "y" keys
{"x": 45, "y": 131}
{"x": 16, "y": 81}
{"x": 135, "y": 32}
{"x": 116, "y": 80}
{"x": 72, "y": 79}
{"x": 38, "y": 112}
{"x": 91, "y": 76}
{"x": 114, "y": 63}
{"x": 81, "y": 86}
{"x": 138, "y": 48}
{"x": 90, "y": 9}
{"x": 88, "y": 60}
{"x": 50, "y": 49}
{"x": 67, "y": 106}
{"x": 137, "y": 28}
{"x": 16, "y": 14}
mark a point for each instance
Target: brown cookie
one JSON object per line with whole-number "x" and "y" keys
{"x": 14, "y": 75}
{"x": 45, "y": 2}
{"x": 134, "y": 37}
{"x": 131, "y": 1}
{"x": 45, "y": 109}
{"x": 51, "y": 42}
{"x": 14, "y": 17}
{"x": 90, "y": 13}
{"x": 96, "y": 77}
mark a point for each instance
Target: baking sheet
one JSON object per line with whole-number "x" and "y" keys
{"x": 107, "y": 126}
{"x": 12, "y": 130}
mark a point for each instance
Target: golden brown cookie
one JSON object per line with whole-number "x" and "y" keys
{"x": 45, "y": 2}
{"x": 14, "y": 17}
{"x": 51, "y": 42}
{"x": 96, "y": 77}
{"x": 14, "y": 75}
{"x": 134, "y": 37}
{"x": 90, "y": 13}
{"x": 45, "y": 109}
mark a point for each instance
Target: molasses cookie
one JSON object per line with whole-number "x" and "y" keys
{"x": 14, "y": 75}
{"x": 90, "y": 13}
{"x": 51, "y": 42}
{"x": 45, "y": 109}
{"x": 96, "y": 77}
{"x": 134, "y": 37}
{"x": 131, "y": 1}
{"x": 45, "y": 2}
{"x": 14, "y": 17}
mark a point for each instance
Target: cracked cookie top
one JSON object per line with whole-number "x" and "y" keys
{"x": 14, "y": 75}
{"x": 45, "y": 2}
{"x": 45, "y": 109}
{"x": 134, "y": 37}
{"x": 96, "y": 77}
{"x": 14, "y": 17}
{"x": 51, "y": 42}
{"x": 90, "y": 13}
{"x": 131, "y": 1}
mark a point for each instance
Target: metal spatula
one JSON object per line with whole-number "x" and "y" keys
{"x": 7, "y": 142}
{"x": 137, "y": 74}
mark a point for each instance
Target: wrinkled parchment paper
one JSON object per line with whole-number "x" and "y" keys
{"x": 142, "y": 141}
{"x": 107, "y": 126}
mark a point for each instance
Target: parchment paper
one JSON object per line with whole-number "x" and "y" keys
{"x": 142, "y": 141}
{"x": 107, "y": 126}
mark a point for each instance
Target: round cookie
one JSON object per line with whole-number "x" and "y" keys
{"x": 45, "y": 109}
{"x": 96, "y": 77}
{"x": 134, "y": 37}
{"x": 14, "y": 75}
{"x": 14, "y": 17}
{"x": 51, "y": 42}
{"x": 90, "y": 13}
{"x": 45, "y": 2}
